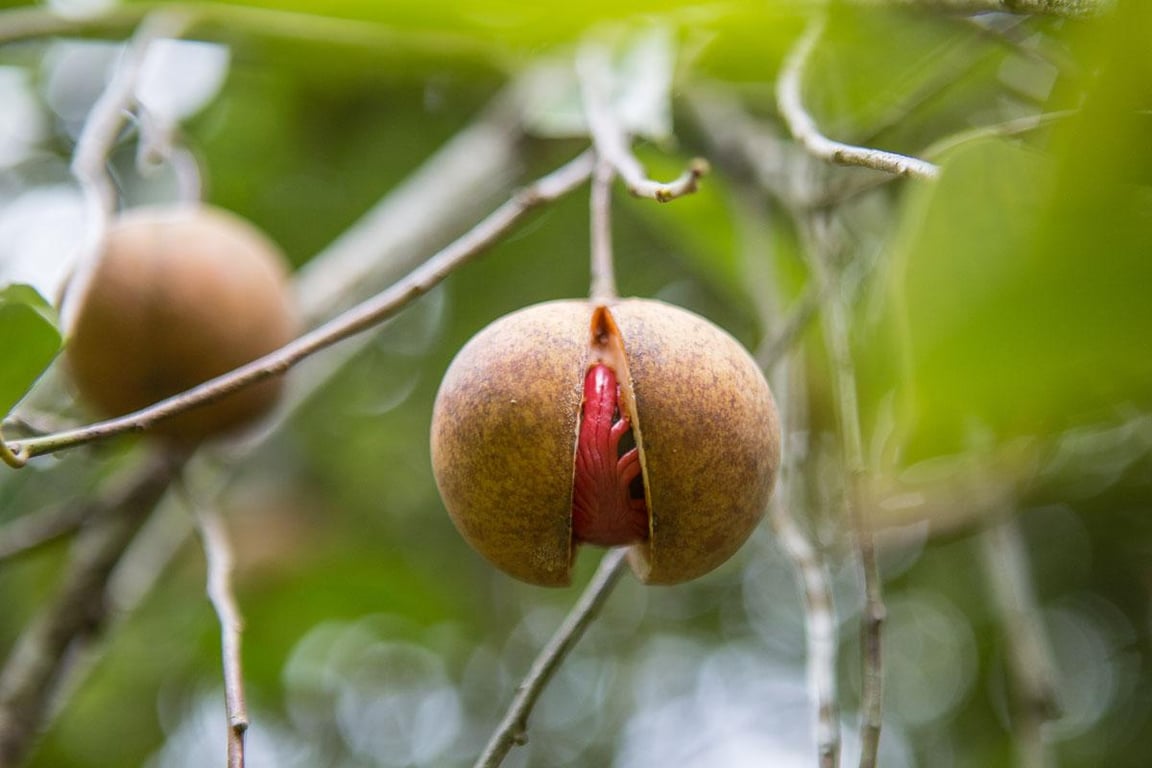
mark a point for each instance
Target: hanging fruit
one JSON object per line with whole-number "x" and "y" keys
{"x": 179, "y": 295}
{"x": 634, "y": 424}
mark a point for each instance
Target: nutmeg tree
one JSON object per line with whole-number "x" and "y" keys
{"x": 828, "y": 319}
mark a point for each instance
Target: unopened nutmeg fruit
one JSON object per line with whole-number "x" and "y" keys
{"x": 178, "y": 296}
{"x": 633, "y": 424}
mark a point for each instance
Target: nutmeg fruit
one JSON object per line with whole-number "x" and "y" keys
{"x": 633, "y": 424}
{"x": 178, "y": 296}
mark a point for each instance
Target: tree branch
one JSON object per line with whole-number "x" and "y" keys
{"x": 819, "y": 629}
{"x": 95, "y": 144}
{"x": 360, "y": 318}
{"x": 513, "y": 728}
{"x": 30, "y": 532}
{"x": 1029, "y": 655}
{"x": 612, "y": 141}
{"x": 820, "y": 624}
{"x": 844, "y": 376}
{"x": 219, "y": 560}
{"x": 784, "y": 368}
{"x": 806, "y": 133}
{"x": 798, "y": 319}
{"x": 32, "y": 670}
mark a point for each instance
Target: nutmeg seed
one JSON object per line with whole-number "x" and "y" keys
{"x": 179, "y": 296}
{"x": 509, "y": 425}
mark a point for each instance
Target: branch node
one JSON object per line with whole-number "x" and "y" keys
{"x": 807, "y": 134}
{"x": 13, "y": 454}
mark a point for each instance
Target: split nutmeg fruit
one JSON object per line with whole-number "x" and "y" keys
{"x": 632, "y": 424}
{"x": 179, "y": 295}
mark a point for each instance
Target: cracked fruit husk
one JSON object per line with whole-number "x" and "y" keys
{"x": 633, "y": 424}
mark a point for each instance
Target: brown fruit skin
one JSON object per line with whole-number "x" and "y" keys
{"x": 504, "y": 436}
{"x": 711, "y": 439}
{"x": 506, "y": 418}
{"x": 180, "y": 295}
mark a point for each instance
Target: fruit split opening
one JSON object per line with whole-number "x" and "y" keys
{"x": 608, "y": 501}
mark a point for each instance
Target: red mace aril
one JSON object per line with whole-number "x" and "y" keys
{"x": 635, "y": 424}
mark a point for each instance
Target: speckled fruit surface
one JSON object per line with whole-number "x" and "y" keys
{"x": 508, "y": 417}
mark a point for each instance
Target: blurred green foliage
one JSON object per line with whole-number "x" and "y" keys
{"x": 29, "y": 339}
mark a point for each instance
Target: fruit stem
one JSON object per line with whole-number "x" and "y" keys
{"x": 603, "y": 288}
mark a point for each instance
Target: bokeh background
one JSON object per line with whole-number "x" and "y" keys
{"x": 1001, "y": 325}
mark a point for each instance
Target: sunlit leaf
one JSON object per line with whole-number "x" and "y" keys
{"x": 29, "y": 340}
{"x": 1006, "y": 331}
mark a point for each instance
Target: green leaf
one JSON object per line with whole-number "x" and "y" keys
{"x": 29, "y": 340}
{"x": 1016, "y": 314}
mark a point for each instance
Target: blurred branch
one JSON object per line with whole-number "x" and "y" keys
{"x": 110, "y": 112}
{"x": 94, "y": 146}
{"x": 30, "y": 23}
{"x": 1029, "y": 656}
{"x": 820, "y": 624}
{"x": 32, "y": 671}
{"x": 514, "y": 727}
{"x": 805, "y": 131}
{"x": 434, "y": 205}
{"x": 835, "y": 317}
{"x": 30, "y": 532}
{"x": 799, "y": 317}
{"x": 144, "y": 561}
{"x": 612, "y": 140}
{"x": 160, "y": 144}
{"x": 356, "y": 320}
{"x": 1075, "y": 9}
{"x": 1006, "y": 129}
{"x": 219, "y": 560}
{"x": 784, "y": 367}
{"x": 751, "y": 149}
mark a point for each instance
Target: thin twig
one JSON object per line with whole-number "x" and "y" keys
{"x": 1015, "y": 127}
{"x": 603, "y": 266}
{"x": 820, "y": 624}
{"x": 840, "y": 194}
{"x": 31, "y": 672}
{"x": 803, "y": 127}
{"x": 612, "y": 141}
{"x": 785, "y": 370}
{"x": 140, "y": 567}
{"x": 844, "y": 375}
{"x": 159, "y": 145}
{"x": 1029, "y": 655}
{"x": 1073, "y": 9}
{"x": 360, "y": 318}
{"x": 514, "y": 727}
{"x": 799, "y": 317}
{"x": 820, "y": 631}
{"x": 219, "y": 559}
